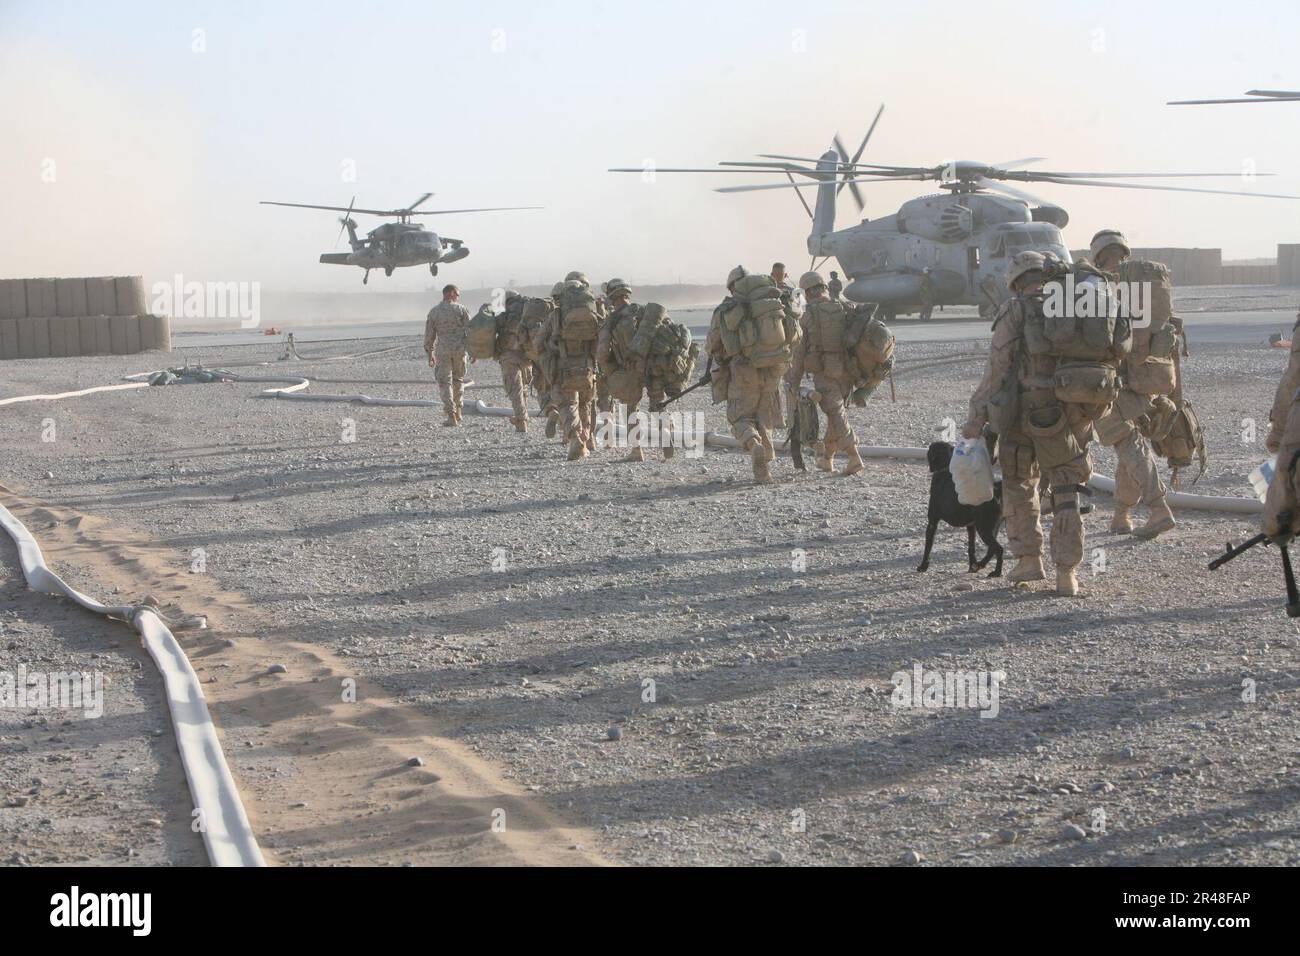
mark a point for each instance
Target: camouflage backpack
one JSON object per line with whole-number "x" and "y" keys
{"x": 482, "y": 333}
{"x": 533, "y": 321}
{"x": 1150, "y": 367}
{"x": 666, "y": 346}
{"x": 1088, "y": 346}
{"x": 870, "y": 347}
{"x": 579, "y": 322}
{"x": 756, "y": 325}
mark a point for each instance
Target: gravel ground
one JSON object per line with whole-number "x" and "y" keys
{"x": 637, "y": 644}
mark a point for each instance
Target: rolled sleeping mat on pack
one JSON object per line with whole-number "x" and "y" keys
{"x": 103, "y": 335}
{"x": 42, "y": 298}
{"x": 70, "y": 296}
{"x": 86, "y": 335}
{"x": 118, "y": 332}
{"x": 8, "y": 338}
{"x": 155, "y": 333}
{"x": 33, "y": 338}
{"x": 101, "y": 296}
{"x": 129, "y": 294}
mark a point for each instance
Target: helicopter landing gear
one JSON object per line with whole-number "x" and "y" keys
{"x": 365, "y": 279}
{"x": 433, "y": 268}
{"x": 388, "y": 271}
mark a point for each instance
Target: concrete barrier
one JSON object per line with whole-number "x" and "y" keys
{"x": 33, "y": 338}
{"x": 117, "y": 328}
{"x": 13, "y": 298}
{"x": 8, "y": 338}
{"x": 103, "y": 335}
{"x": 98, "y": 315}
{"x": 42, "y": 298}
{"x": 155, "y": 333}
{"x": 101, "y": 296}
{"x": 129, "y": 295}
{"x": 70, "y": 297}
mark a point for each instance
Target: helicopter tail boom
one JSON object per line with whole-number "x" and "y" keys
{"x": 823, "y": 222}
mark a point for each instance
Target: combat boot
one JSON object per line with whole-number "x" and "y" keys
{"x": 451, "y": 420}
{"x": 636, "y": 454}
{"x": 854, "y": 464}
{"x": 758, "y": 457}
{"x": 521, "y": 424}
{"x": 1067, "y": 582}
{"x": 825, "y": 463}
{"x": 552, "y": 423}
{"x": 1121, "y": 523}
{"x": 1159, "y": 521}
{"x": 1028, "y": 568}
{"x": 577, "y": 448}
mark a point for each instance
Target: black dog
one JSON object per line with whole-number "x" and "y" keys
{"x": 945, "y": 507}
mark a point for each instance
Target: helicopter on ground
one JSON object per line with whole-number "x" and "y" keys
{"x": 950, "y": 248}
{"x": 394, "y": 245}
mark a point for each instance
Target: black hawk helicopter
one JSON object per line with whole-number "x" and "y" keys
{"x": 394, "y": 245}
{"x": 949, "y": 248}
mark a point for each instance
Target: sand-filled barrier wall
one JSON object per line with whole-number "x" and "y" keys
{"x": 100, "y": 315}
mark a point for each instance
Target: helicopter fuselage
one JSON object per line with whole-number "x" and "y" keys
{"x": 964, "y": 239}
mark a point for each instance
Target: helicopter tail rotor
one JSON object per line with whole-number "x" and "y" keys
{"x": 346, "y": 222}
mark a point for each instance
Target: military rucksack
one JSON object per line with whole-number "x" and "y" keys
{"x": 1084, "y": 333}
{"x": 533, "y": 323}
{"x": 756, "y": 325}
{"x": 870, "y": 347}
{"x": 1184, "y": 442}
{"x": 511, "y": 336}
{"x": 1149, "y": 368}
{"x": 579, "y": 324}
{"x": 622, "y": 331}
{"x": 482, "y": 333}
{"x": 666, "y": 346}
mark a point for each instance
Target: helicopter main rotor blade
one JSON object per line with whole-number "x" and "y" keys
{"x": 1030, "y": 176}
{"x": 1270, "y": 98}
{"x": 1282, "y": 93}
{"x": 448, "y": 212}
{"x": 1017, "y": 163}
{"x": 838, "y": 182}
{"x": 418, "y": 201}
{"x": 347, "y": 209}
{"x": 1030, "y": 198}
{"x": 866, "y": 139}
{"x": 766, "y": 168}
{"x": 1175, "y": 189}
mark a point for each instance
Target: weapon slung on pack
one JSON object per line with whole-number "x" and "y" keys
{"x": 705, "y": 379}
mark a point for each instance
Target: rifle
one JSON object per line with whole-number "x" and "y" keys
{"x": 705, "y": 379}
{"x": 803, "y": 423}
{"x": 1288, "y": 575}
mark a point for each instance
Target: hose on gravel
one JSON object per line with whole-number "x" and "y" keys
{"x": 227, "y": 834}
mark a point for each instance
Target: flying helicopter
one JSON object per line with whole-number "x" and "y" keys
{"x": 1251, "y": 96}
{"x": 393, "y": 245}
{"x": 951, "y": 247}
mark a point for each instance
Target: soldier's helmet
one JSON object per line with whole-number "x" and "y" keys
{"x": 576, "y": 276}
{"x": 614, "y": 286}
{"x": 811, "y": 280}
{"x": 557, "y": 289}
{"x": 1108, "y": 237}
{"x": 736, "y": 274}
{"x": 512, "y": 295}
{"x": 1023, "y": 262}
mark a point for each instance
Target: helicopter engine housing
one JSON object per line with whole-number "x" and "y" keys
{"x": 1057, "y": 216}
{"x": 939, "y": 218}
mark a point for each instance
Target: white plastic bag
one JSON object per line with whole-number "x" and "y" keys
{"x": 1262, "y": 477}
{"x": 972, "y": 471}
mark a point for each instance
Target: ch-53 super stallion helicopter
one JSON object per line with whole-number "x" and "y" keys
{"x": 957, "y": 242}
{"x": 394, "y": 245}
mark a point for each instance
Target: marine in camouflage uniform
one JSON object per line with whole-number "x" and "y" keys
{"x": 829, "y": 364}
{"x": 753, "y": 394}
{"x": 446, "y": 341}
{"x": 573, "y": 393}
{"x": 512, "y": 355}
{"x": 1137, "y": 476}
{"x": 623, "y": 371}
{"x": 1281, "y": 515}
{"x": 1035, "y": 439}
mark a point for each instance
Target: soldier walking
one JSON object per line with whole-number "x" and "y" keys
{"x": 446, "y": 341}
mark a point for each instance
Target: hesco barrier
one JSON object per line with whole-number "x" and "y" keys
{"x": 56, "y": 318}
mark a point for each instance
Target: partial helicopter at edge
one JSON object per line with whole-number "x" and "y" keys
{"x": 1250, "y": 96}
{"x": 395, "y": 245}
{"x": 957, "y": 241}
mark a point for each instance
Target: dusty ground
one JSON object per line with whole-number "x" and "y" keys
{"x": 511, "y": 608}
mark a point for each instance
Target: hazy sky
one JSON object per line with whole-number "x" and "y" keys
{"x": 138, "y": 137}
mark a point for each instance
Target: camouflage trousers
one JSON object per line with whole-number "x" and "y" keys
{"x": 1137, "y": 476}
{"x": 834, "y": 403}
{"x": 1280, "y": 511}
{"x": 1051, "y": 438}
{"x": 577, "y": 409}
{"x": 449, "y": 370}
{"x": 516, "y": 374}
{"x": 754, "y": 403}
{"x": 543, "y": 389}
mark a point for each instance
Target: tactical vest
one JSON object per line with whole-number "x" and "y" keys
{"x": 824, "y": 347}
